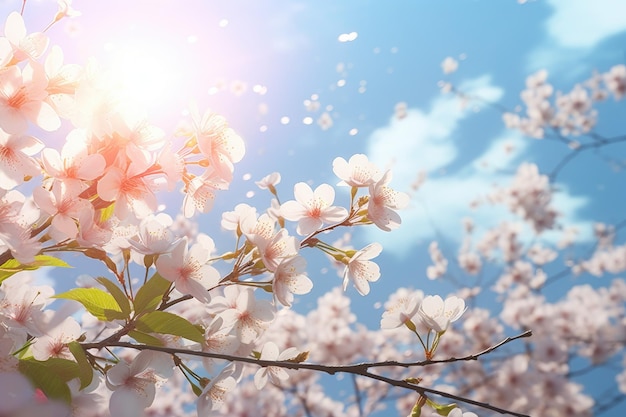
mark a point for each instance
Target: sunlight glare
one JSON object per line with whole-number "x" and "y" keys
{"x": 145, "y": 73}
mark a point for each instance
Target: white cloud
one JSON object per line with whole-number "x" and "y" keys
{"x": 584, "y": 23}
{"x": 574, "y": 29}
{"x": 424, "y": 141}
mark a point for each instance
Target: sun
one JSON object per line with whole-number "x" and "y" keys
{"x": 146, "y": 74}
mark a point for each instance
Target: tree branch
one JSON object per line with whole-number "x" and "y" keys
{"x": 355, "y": 369}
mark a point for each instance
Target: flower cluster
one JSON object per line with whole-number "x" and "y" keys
{"x": 571, "y": 113}
{"x": 530, "y": 197}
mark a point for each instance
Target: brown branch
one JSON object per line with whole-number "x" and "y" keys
{"x": 355, "y": 369}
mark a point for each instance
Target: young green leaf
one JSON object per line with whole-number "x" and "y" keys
{"x": 85, "y": 371}
{"x": 50, "y": 376}
{"x": 441, "y": 409}
{"x": 97, "y": 302}
{"x": 150, "y": 295}
{"x": 13, "y": 266}
{"x": 117, "y": 293}
{"x": 168, "y": 323}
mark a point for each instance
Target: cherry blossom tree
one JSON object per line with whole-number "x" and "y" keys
{"x": 179, "y": 326}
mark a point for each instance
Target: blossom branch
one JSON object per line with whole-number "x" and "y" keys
{"x": 355, "y": 369}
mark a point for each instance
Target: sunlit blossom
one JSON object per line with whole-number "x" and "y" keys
{"x": 53, "y": 344}
{"x": 402, "y": 311}
{"x": 22, "y": 99}
{"x": 134, "y": 385}
{"x": 437, "y": 314}
{"x": 247, "y": 315}
{"x": 290, "y": 278}
{"x": 187, "y": 268}
{"x": 130, "y": 193}
{"x": 382, "y": 203}
{"x": 218, "y": 143}
{"x": 24, "y": 45}
{"x": 360, "y": 270}
{"x": 275, "y": 374}
{"x": 311, "y": 209}
{"x": 15, "y": 159}
{"x": 213, "y": 395}
{"x": 358, "y": 171}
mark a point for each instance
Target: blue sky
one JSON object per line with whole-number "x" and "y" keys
{"x": 257, "y": 63}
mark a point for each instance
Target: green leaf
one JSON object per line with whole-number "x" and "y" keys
{"x": 13, "y": 266}
{"x": 50, "y": 376}
{"x": 168, "y": 323}
{"x": 117, "y": 293}
{"x": 442, "y": 409}
{"x": 85, "y": 372}
{"x": 97, "y": 302}
{"x": 145, "y": 338}
{"x": 150, "y": 295}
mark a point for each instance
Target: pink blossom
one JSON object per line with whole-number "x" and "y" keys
{"x": 65, "y": 9}
{"x": 200, "y": 193}
{"x": 134, "y": 385}
{"x": 360, "y": 270}
{"x": 155, "y": 235}
{"x": 213, "y": 395}
{"x": 382, "y": 203}
{"x": 64, "y": 205}
{"x": 25, "y": 46}
{"x": 16, "y": 218}
{"x": 256, "y": 230}
{"x": 289, "y": 279}
{"x": 22, "y": 98}
{"x": 247, "y": 315}
{"x": 15, "y": 159}
{"x": 172, "y": 166}
{"x": 218, "y": 143}
{"x": 357, "y": 172}
{"x": 311, "y": 209}
{"x": 276, "y": 249}
{"x": 62, "y": 81}
{"x": 74, "y": 166}
{"x": 437, "y": 314}
{"x": 92, "y": 232}
{"x": 53, "y": 344}
{"x": 402, "y": 311}
{"x": 129, "y": 190}
{"x": 218, "y": 339}
{"x": 275, "y": 374}
{"x": 232, "y": 220}
{"x": 269, "y": 182}
{"x": 22, "y": 307}
{"x": 188, "y": 270}
{"x": 131, "y": 133}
